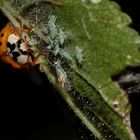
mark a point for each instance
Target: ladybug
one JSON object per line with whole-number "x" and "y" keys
{"x": 14, "y": 49}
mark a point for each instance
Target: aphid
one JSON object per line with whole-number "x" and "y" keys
{"x": 65, "y": 55}
{"x": 78, "y": 55}
{"x": 56, "y": 36}
{"x": 62, "y": 76}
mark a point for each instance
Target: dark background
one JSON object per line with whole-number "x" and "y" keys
{"x": 32, "y": 111}
{"x": 132, "y": 9}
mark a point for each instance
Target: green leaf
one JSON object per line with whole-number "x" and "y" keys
{"x": 92, "y": 41}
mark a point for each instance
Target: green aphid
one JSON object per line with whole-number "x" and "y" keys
{"x": 53, "y": 31}
{"x": 56, "y": 50}
{"x": 62, "y": 36}
{"x": 79, "y": 55}
{"x": 32, "y": 41}
{"x": 65, "y": 54}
